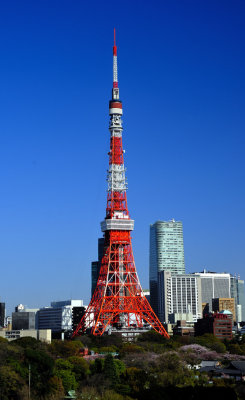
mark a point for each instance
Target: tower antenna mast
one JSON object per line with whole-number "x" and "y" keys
{"x": 118, "y": 303}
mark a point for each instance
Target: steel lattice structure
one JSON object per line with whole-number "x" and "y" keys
{"x": 118, "y": 300}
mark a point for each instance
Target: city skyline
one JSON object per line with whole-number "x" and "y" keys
{"x": 184, "y": 140}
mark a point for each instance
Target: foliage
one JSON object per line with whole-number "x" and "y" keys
{"x": 10, "y": 383}
{"x": 106, "y": 340}
{"x": 151, "y": 368}
{"x": 212, "y": 342}
{"x": 41, "y": 366}
{"x": 28, "y": 342}
{"x": 172, "y": 371}
{"x": 108, "y": 349}
{"x": 111, "y": 370}
{"x": 152, "y": 336}
{"x": 128, "y": 348}
{"x": 90, "y": 393}
{"x": 56, "y": 388}
{"x": 137, "y": 379}
{"x": 65, "y": 348}
{"x": 63, "y": 364}
{"x": 80, "y": 367}
{"x": 97, "y": 366}
{"x": 68, "y": 379}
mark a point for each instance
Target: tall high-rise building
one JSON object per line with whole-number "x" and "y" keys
{"x": 166, "y": 253}
{"x": 95, "y": 265}
{"x": 241, "y": 296}
{"x": 179, "y": 297}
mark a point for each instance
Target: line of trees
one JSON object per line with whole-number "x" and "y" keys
{"x": 151, "y": 368}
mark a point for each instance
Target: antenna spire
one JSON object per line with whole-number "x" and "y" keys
{"x": 114, "y": 47}
{"x": 115, "y": 90}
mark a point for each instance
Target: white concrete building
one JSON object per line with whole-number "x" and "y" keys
{"x": 179, "y": 297}
{"x": 58, "y": 317}
{"x": 214, "y": 285}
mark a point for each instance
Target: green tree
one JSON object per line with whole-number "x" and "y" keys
{"x": 10, "y": 383}
{"x": 111, "y": 370}
{"x": 152, "y": 336}
{"x": 68, "y": 379}
{"x": 235, "y": 349}
{"x": 212, "y": 342}
{"x": 64, "y": 371}
{"x": 171, "y": 371}
{"x": 131, "y": 348}
{"x": 63, "y": 364}
{"x": 120, "y": 366}
{"x": 97, "y": 366}
{"x": 56, "y": 389}
{"x": 137, "y": 379}
{"x": 80, "y": 367}
{"x": 66, "y": 348}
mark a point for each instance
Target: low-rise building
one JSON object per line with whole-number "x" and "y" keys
{"x": 43, "y": 335}
{"x": 221, "y": 303}
{"x": 220, "y": 325}
{"x": 59, "y": 317}
{"x": 183, "y": 328}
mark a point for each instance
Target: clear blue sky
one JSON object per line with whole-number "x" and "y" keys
{"x": 182, "y": 83}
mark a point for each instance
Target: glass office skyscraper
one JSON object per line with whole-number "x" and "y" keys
{"x": 166, "y": 253}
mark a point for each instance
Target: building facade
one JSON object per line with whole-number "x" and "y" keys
{"x": 2, "y": 315}
{"x": 238, "y": 293}
{"x": 179, "y": 297}
{"x": 42, "y": 335}
{"x": 241, "y": 297}
{"x": 214, "y": 285}
{"x": 166, "y": 253}
{"x": 221, "y": 304}
{"x": 220, "y": 325}
{"x": 58, "y": 317}
{"x": 24, "y": 318}
{"x": 95, "y": 265}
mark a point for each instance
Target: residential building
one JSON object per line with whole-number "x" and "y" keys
{"x": 220, "y": 325}
{"x": 166, "y": 253}
{"x": 2, "y": 315}
{"x": 179, "y": 297}
{"x": 219, "y": 304}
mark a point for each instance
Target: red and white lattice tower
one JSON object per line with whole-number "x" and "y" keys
{"x": 118, "y": 302}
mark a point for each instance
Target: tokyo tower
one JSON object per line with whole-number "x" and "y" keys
{"x": 118, "y": 303}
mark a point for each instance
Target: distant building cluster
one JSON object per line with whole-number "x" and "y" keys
{"x": 57, "y": 321}
{"x": 187, "y": 304}
{"x": 195, "y": 303}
